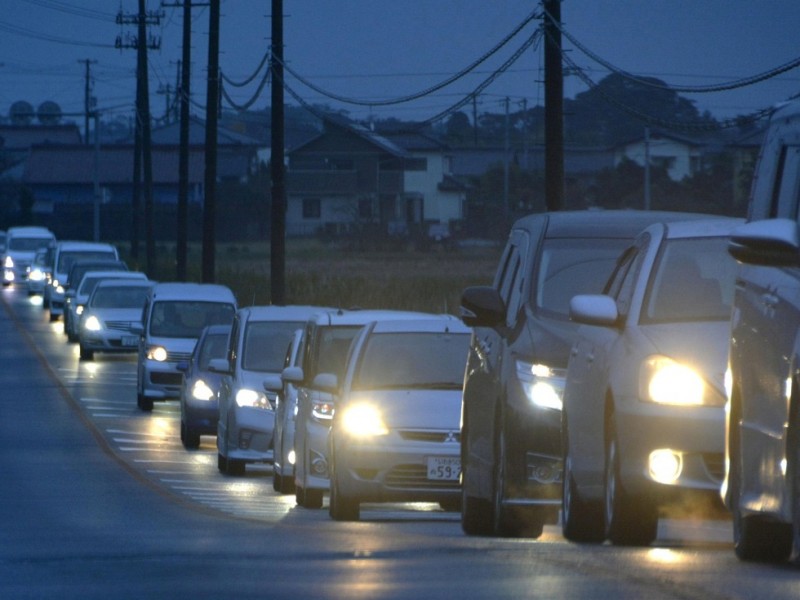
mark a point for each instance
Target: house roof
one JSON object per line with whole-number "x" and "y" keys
{"x": 333, "y": 121}
{"x": 56, "y": 165}
{"x": 22, "y": 137}
{"x": 171, "y": 134}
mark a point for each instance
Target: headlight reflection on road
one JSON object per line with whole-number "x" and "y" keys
{"x": 665, "y": 556}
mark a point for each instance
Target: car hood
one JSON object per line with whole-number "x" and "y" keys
{"x": 703, "y": 345}
{"x": 414, "y": 409}
{"x": 134, "y": 315}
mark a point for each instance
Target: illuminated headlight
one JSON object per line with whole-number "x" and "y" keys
{"x": 8, "y": 263}
{"x": 252, "y": 398}
{"x": 158, "y": 353}
{"x": 36, "y": 275}
{"x": 79, "y": 310}
{"x": 543, "y": 385}
{"x": 291, "y": 457}
{"x": 59, "y": 288}
{"x": 201, "y": 391}
{"x": 92, "y": 323}
{"x": 8, "y": 275}
{"x": 665, "y": 465}
{"x": 664, "y": 381}
{"x": 363, "y": 421}
{"x": 322, "y": 410}
{"x": 54, "y": 283}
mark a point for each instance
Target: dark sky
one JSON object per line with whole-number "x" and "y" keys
{"x": 371, "y": 50}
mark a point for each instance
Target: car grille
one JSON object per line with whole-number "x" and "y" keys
{"x": 120, "y": 325}
{"x": 715, "y": 465}
{"x": 415, "y": 477}
{"x": 436, "y": 437}
{"x": 178, "y": 356}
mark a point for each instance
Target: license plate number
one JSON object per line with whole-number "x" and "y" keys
{"x": 130, "y": 340}
{"x": 444, "y": 468}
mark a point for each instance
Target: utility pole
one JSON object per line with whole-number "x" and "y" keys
{"x": 553, "y": 107}
{"x": 87, "y": 98}
{"x": 277, "y": 168}
{"x": 142, "y": 146}
{"x": 210, "y": 179}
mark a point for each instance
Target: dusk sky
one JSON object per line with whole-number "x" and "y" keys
{"x": 373, "y": 50}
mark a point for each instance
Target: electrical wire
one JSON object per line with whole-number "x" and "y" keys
{"x": 249, "y": 79}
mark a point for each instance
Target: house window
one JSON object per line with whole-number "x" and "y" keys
{"x": 365, "y": 209}
{"x": 311, "y": 208}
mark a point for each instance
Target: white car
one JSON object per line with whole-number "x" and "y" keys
{"x": 66, "y": 253}
{"x": 38, "y": 271}
{"x": 78, "y": 295}
{"x": 21, "y": 246}
{"x": 395, "y": 433}
{"x": 326, "y": 341}
{"x": 259, "y": 337}
{"x": 285, "y": 416}
{"x": 112, "y": 314}
{"x": 643, "y": 417}
{"x": 173, "y": 317}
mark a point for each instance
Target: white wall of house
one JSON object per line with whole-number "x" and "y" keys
{"x": 680, "y": 159}
{"x": 438, "y": 205}
{"x": 340, "y": 212}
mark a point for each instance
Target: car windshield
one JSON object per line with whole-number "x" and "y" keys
{"x": 119, "y": 297}
{"x": 413, "y": 360}
{"x": 66, "y": 258}
{"x": 88, "y": 284}
{"x": 568, "y": 267}
{"x": 186, "y": 318}
{"x": 693, "y": 281}
{"x": 28, "y": 244}
{"x": 330, "y": 353}
{"x": 265, "y": 344}
{"x": 214, "y": 345}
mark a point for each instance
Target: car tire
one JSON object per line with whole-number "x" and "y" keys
{"x": 189, "y": 438}
{"x": 145, "y": 404}
{"x": 342, "y": 508}
{"x": 311, "y": 499}
{"x": 222, "y": 463}
{"x": 510, "y": 522}
{"x": 234, "y": 467}
{"x": 630, "y": 520}
{"x": 581, "y": 520}
{"x": 86, "y": 354}
{"x": 282, "y": 484}
{"x": 754, "y": 538}
{"x": 53, "y": 318}
{"x": 476, "y": 513}
{"x": 451, "y": 505}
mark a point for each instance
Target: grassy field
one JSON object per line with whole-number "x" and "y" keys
{"x": 329, "y": 275}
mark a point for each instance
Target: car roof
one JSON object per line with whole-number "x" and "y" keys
{"x": 124, "y": 282}
{"x": 180, "y": 290}
{"x": 216, "y": 329}
{"x": 79, "y": 245}
{"x": 362, "y": 317}
{"x": 291, "y": 312}
{"x": 721, "y": 227}
{"x": 138, "y": 275}
{"x": 446, "y": 323}
{"x": 601, "y": 223}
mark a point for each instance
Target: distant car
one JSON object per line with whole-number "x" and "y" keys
{"x": 259, "y": 337}
{"x": 173, "y": 317}
{"x": 21, "y": 246}
{"x": 644, "y": 394}
{"x": 76, "y": 271}
{"x": 200, "y": 388}
{"x": 78, "y": 295}
{"x": 284, "y": 455}
{"x": 66, "y": 253}
{"x": 513, "y": 385}
{"x": 326, "y": 341}
{"x": 38, "y": 272}
{"x": 395, "y": 433}
{"x": 112, "y": 315}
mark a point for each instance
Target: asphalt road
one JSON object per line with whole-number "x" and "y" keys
{"x": 100, "y": 500}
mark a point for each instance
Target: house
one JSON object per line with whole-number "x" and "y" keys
{"x": 350, "y": 177}
{"x": 680, "y": 156}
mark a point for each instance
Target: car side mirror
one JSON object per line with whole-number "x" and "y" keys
{"x": 293, "y": 375}
{"x": 219, "y": 365}
{"x": 770, "y": 242}
{"x": 594, "y": 309}
{"x": 326, "y": 382}
{"x": 482, "y": 306}
{"x": 273, "y": 383}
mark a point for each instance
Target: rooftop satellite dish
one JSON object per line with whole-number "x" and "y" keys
{"x": 48, "y": 113}
{"x": 21, "y": 113}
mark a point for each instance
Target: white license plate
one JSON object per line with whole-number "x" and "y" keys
{"x": 444, "y": 468}
{"x": 130, "y": 340}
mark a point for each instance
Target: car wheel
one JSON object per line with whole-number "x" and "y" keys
{"x": 509, "y": 522}
{"x": 53, "y": 318}
{"x": 476, "y": 513}
{"x": 190, "y": 438}
{"x": 311, "y": 499}
{"x": 222, "y": 463}
{"x": 234, "y": 467}
{"x": 451, "y": 505}
{"x": 86, "y": 354}
{"x": 629, "y": 520}
{"x": 277, "y": 480}
{"x": 581, "y": 520}
{"x": 342, "y": 508}
{"x": 282, "y": 484}
{"x": 145, "y": 404}
{"x": 754, "y": 538}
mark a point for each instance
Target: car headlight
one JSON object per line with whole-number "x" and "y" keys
{"x": 8, "y": 263}
{"x": 201, "y": 391}
{"x": 665, "y": 381}
{"x": 543, "y": 385}
{"x": 158, "y": 353}
{"x": 322, "y": 410}
{"x": 363, "y": 420}
{"x": 36, "y": 275}
{"x": 92, "y": 323}
{"x": 79, "y": 310}
{"x": 252, "y": 398}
